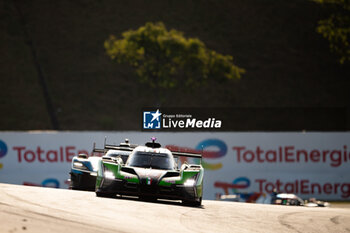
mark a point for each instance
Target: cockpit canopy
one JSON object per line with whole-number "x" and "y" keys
{"x": 115, "y": 153}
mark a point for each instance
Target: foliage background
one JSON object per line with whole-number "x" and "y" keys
{"x": 287, "y": 63}
{"x": 336, "y": 28}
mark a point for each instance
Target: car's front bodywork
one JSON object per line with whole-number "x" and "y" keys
{"x": 151, "y": 173}
{"x": 83, "y": 172}
{"x": 84, "y": 168}
{"x": 287, "y": 199}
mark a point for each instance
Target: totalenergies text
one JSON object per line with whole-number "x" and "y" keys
{"x": 61, "y": 154}
{"x": 290, "y": 154}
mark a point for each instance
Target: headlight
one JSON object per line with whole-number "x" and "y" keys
{"x": 79, "y": 165}
{"x": 190, "y": 182}
{"x": 109, "y": 175}
{"x": 93, "y": 173}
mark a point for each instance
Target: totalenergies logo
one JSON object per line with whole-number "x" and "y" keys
{"x": 220, "y": 151}
{"x": 50, "y": 182}
{"x": 238, "y": 183}
{"x": 209, "y": 148}
{"x": 3, "y": 149}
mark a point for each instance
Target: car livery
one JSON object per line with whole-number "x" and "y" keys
{"x": 84, "y": 168}
{"x": 83, "y": 172}
{"x": 151, "y": 172}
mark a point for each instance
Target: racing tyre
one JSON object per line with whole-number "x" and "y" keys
{"x": 101, "y": 194}
{"x": 147, "y": 198}
{"x": 193, "y": 203}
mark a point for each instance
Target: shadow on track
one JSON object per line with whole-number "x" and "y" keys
{"x": 155, "y": 201}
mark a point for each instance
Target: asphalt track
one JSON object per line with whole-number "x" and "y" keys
{"x": 34, "y": 209}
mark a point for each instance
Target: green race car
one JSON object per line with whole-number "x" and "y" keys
{"x": 151, "y": 172}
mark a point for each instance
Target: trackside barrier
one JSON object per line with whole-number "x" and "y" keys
{"x": 248, "y": 164}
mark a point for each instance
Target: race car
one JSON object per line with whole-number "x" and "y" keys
{"x": 84, "y": 168}
{"x": 83, "y": 172}
{"x": 287, "y": 199}
{"x": 151, "y": 172}
{"x": 292, "y": 199}
{"x": 313, "y": 202}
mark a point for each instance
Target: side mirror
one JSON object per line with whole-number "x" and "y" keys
{"x": 184, "y": 166}
{"x": 118, "y": 160}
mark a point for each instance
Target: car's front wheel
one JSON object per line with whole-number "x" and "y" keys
{"x": 147, "y": 198}
{"x": 102, "y": 194}
{"x": 192, "y": 203}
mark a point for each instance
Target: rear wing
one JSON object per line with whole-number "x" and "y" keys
{"x": 186, "y": 154}
{"x": 185, "y": 151}
{"x": 124, "y": 146}
{"x": 120, "y": 147}
{"x": 178, "y": 154}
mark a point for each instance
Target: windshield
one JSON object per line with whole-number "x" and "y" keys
{"x": 114, "y": 153}
{"x": 151, "y": 160}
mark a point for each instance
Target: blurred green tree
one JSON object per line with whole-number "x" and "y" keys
{"x": 336, "y": 28}
{"x": 165, "y": 59}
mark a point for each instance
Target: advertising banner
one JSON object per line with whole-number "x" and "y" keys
{"x": 249, "y": 164}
